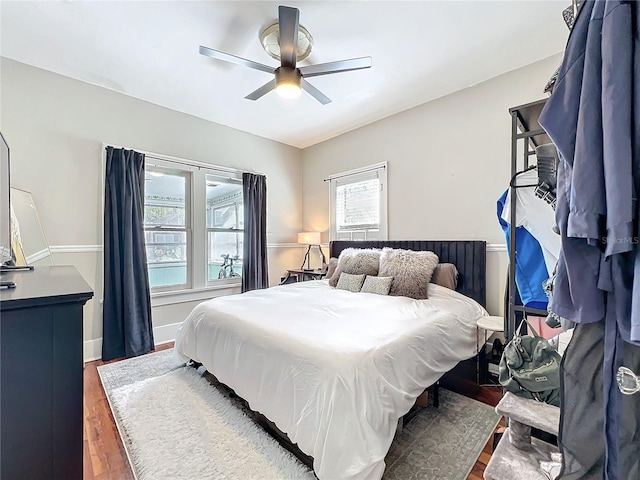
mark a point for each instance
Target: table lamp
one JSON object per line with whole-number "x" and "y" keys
{"x": 311, "y": 239}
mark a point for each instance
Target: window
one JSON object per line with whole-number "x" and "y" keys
{"x": 193, "y": 222}
{"x": 225, "y": 224}
{"x": 359, "y": 204}
{"x": 167, "y": 227}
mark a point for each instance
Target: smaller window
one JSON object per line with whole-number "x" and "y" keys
{"x": 359, "y": 204}
{"x": 225, "y": 228}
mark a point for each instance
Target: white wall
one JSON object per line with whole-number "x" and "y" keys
{"x": 448, "y": 164}
{"x": 56, "y": 126}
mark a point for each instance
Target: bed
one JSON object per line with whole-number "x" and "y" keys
{"x": 335, "y": 370}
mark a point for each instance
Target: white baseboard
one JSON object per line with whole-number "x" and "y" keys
{"x": 92, "y": 350}
{"x": 164, "y": 334}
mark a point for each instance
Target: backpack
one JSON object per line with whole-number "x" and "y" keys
{"x": 530, "y": 367}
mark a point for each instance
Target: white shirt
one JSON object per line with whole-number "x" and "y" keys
{"x": 536, "y": 215}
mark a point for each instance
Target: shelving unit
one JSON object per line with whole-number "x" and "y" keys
{"x": 527, "y": 132}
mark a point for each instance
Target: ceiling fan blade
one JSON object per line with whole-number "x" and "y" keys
{"x": 335, "y": 67}
{"x": 263, "y": 90}
{"x": 288, "y": 19}
{"x": 227, "y": 57}
{"x": 314, "y": 92}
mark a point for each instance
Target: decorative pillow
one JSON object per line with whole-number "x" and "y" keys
{"x": 331, "y": 269}
{"x": 378, "y": 285}
{"x": 353, "y": 283}
{"x": 446, "y": 274}
{"x": 356, "y": 261}
{"x": 411, "y": 271}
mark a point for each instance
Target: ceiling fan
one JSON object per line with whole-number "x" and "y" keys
{"x": 290, "y": 80}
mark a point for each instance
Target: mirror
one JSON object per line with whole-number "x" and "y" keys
{"x": 28, "y": 241}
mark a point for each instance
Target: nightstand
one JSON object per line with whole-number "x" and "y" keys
{"x": 486, "y": 369}
{"x": 300, "y": 275}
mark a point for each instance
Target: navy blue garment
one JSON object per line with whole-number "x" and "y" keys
{"x": 635, "y": 307}
{"x": 576, "y": 296}
{"x": 617, "y": 125}
{"x": 531, "y": 271}
{"x": 589, "y": 118}
{"x": 592, "y": 119}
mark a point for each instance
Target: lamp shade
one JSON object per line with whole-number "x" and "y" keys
{"x": 288, "y": 90}
{"x": 309, "y": 238}
{"x": 288, "y": 82}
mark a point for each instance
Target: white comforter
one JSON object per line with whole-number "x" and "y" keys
{"x": 333, "y": 369}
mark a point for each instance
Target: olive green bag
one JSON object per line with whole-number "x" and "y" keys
{"x": 530, "y": 367}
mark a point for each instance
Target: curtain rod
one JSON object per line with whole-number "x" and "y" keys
{"x": 356, "y": 171}
{"x": 184, "y": 161}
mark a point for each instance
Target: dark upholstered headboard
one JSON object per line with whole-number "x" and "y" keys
{"x": 470, "y": 258}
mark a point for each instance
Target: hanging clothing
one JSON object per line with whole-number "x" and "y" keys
{"x": 635, "y": 306}
{"x": 568, "y": 15}
{"x": 590, "y": 119}
{"x": 536, "y": 215}
{"x": 593, "y": 132}
{"x": 583, "y": 460}
{"x": 531, "y": 271}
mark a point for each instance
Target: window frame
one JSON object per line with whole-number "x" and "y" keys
{"x": 188, "y": 228}
{"x": 196, "y": 219}
{"x": 236, "y": 180}
{"x": 378, "y": 171}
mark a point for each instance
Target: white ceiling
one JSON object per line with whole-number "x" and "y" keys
{"x": 149, "y": 50}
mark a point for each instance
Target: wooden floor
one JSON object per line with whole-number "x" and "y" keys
{"x": 105, "y": 457}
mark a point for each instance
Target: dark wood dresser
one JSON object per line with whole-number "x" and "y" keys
{"x": 41, "y": 369}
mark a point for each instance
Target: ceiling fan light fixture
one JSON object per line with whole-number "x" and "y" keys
{"x": 288, "y": 90}
{"x": 270, "y": 41}
{"x": 288, "y": 82}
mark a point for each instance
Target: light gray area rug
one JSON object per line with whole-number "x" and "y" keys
{"x": 176, "y": 425}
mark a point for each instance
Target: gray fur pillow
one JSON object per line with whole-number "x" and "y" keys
{"x": 356, "y": 261}
{"x": 411, "y": 271}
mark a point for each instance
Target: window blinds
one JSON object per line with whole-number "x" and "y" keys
{"x": 358, "y": 205}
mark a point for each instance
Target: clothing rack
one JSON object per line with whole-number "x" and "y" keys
{"x": 527, "y": 134}
{"x": 512, "y": 183}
